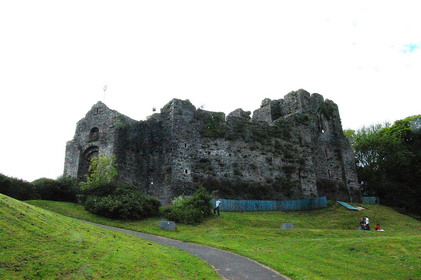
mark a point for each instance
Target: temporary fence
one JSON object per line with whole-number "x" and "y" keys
{"x": 230, "y": 205}
{"x": 371, "y": 200}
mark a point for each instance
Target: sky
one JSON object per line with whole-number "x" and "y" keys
{"x": 56, "y": 56}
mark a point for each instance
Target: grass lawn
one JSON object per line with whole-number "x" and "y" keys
{"x": 323, "y": 245}
{"x": 39, "y": 244}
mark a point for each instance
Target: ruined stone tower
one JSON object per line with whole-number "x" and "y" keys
{"x": 290, "y": 148}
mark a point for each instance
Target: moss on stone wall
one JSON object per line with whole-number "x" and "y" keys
{"x": 273, "y": 189}
{"x": 327, "y": 110}
{"x": 213, "y": 124}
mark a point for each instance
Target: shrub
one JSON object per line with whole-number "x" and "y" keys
{"x": 190, "y": 210}
{"x": 184, "y": 215}
{"x": 103, "y": 195}
{"x": 100, "y": 190}
{"x": 213, "y": 125}
{"x": 130, "y": 205}
{"x": 62, "y": 189}
{"x": 179, "y": 201}
{"x": 16, "y": 188}
{"x": 102, "y": 172}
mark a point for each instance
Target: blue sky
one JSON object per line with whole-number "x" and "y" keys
{"x": 57, "y": 56}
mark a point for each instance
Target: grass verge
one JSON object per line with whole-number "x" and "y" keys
{"x": 39, "y": 244}
{"x": 323, "y": 245}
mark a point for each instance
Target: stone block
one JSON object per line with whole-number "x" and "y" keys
{"x": 287, "y": 226}
{"x": 167, "y": 225}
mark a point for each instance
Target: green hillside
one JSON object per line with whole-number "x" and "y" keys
{"x": 323, "y": 245}
{"x": 39, "y": 244}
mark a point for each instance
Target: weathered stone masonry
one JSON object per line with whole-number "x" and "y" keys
{"x": 290, "y": 148}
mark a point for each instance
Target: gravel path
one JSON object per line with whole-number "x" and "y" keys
{"x": 228, "y": 265}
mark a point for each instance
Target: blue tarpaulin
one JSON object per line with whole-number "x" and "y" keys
{"x": 350, "y": 207}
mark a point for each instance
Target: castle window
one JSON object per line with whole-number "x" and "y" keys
{"x": 185, "y": 145}
{"x": 186, "y": 171}
{"x": 94, "y": 134}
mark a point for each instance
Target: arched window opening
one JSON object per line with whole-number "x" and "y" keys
{"x": 94, "y": 134}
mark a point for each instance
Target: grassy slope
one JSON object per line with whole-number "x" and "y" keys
{"x": 39, "y": 244}
{"x": 324, "y": 244}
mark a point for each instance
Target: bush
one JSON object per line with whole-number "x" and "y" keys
{"x": 130, "y": 205}
{"x": 100, "y": 191}
{"x": 102, "y": 172}
{"x": 184, "y": 215}
{"x": 62, "y": 189}
{"x": 103, "y": 195}
{"x": 190, "y": 210}
{"x": 16, "y": 188}
{"x": 179, "y": 201}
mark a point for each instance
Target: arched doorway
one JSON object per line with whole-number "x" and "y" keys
{"x": 85, "y": 161}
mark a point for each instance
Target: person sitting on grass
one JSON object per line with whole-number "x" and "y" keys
{"x": 362, "y": 224}
{"x": 378, "y": 228}
{"x": 366, "y": 223}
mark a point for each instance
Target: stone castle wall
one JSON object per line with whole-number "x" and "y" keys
{"x": 290, "y": 148}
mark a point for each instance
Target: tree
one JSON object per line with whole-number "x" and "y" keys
{"x": 389, "y": 162}
{"x": 102, "y": 174}
{"x": 104, "y": 195}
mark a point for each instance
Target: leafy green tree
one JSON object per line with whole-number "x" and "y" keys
{"x": 102, "y": 173}
{"x": 389, "y": 162}
{"x": 350, "y": 135}
{"x": 105, "y": 196}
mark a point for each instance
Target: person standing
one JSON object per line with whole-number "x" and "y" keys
{"x": 216, "y": 209}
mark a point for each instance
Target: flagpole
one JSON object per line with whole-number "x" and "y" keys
{"x": 105, "y": 89}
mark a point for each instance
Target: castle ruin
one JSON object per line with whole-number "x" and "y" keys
{"x": 290, "y": 148}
